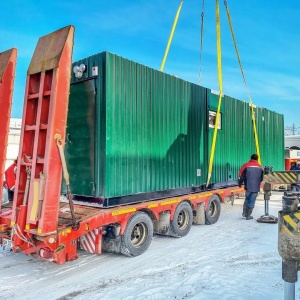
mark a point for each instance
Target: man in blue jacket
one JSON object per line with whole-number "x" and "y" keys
{"x": 251, "y": 174}
{"x": 295, "y": 187}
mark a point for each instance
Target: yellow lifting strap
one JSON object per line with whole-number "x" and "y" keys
{"x": 250, "y": 100}
{"x": 171, "y": 37}
{"x": 219, "y": 56}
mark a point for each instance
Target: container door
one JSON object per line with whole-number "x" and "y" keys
{"x": 80, "y": 138}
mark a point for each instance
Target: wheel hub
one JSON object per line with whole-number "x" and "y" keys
{"x": 183, "y": 219}
{"x": 138, "y": 235}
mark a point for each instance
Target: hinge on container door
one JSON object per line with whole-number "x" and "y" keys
{"x": 93, "y": 185}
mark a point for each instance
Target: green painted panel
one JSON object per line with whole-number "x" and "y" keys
{"x": 95, "y": 69}
{"x": 235, "y": 140}
{"x": 142, "y": 130}
{"x": 80, "y": 142}
{"x": 157, "y": 138}
{"x": 271, "y": 139}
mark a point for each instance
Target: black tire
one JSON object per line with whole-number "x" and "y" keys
{"x": 182, "y": 221}
{"x": 213, "y": 210}
{"x": 138, "y": 235}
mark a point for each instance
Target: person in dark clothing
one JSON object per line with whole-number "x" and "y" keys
{"x": 251, "y": 175}
{"x": 295, "y": 187}
{"x": 10, "y": 180}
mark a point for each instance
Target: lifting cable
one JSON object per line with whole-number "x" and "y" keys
{"x": 171, "y": 37}
{"x": 201, "y": 41}
{"x": 241, "y": 68}
{"x": 219, "y": 57}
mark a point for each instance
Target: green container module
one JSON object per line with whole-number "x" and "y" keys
{"x": 136, "y": 134}
{"x": 235, "y": 139}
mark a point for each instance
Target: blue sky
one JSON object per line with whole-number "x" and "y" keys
{"x": 267, "y": 33}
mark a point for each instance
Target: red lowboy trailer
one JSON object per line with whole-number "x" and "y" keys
{"x": 38, "y": 221}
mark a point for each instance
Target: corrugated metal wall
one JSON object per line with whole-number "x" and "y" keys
{"x": 270, "y": 126}
{"x": 86, "y": 140}
{"x": 155, "y": 125}
{"x": 151, "y": 131}
{"x": 235, "y": 140}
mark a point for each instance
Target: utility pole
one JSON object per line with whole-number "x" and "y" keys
{"x": 291, "y": 130}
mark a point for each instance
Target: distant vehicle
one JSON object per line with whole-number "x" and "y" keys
{"x": 292, "y": 150}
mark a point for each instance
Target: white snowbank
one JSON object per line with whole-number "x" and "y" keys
{"x": 232, "y": 259}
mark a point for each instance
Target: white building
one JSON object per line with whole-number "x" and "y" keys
{"x": 13, "y": 141}
{"x": 291, "y": 140}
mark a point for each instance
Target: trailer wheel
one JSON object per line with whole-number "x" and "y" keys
{"x": 182, "y": 220}
{"x": 213, "y": 210}
{"x": 138, "y": 235}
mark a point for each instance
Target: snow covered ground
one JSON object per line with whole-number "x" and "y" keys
{"x": 232, "y": 259}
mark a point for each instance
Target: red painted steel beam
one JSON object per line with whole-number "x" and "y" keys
{"x": 7, "y": 74}
{"x": 44, "y": 116}
{"x": 60, "y": 246}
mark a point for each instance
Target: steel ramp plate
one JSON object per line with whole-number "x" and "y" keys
{"x": 49, "y": 50}
{"x": 5, "y": 57}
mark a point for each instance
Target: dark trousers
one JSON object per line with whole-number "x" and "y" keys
{"x": 10, "y": 195}
{"x": 250, "y": 199}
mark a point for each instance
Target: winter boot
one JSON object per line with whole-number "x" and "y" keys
{"x": 248, "y": 213}
{"x": 244, "y": 209}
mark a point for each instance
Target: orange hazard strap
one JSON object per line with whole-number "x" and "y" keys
{"x": 283, "y": 177}
{"x": 241, "y": 68}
